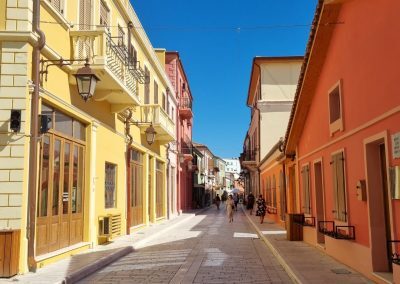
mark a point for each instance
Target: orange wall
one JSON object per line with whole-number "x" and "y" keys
{"x": 360, "y": 55}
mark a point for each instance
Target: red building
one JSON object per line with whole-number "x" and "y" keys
{"x": 177, "y": 75}
{"x": 344, "y": 136}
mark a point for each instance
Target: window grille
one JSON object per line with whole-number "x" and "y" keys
{"x": 110, "y": 185}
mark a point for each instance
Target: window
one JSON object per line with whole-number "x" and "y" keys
{"x": 163, "y": 101}
{"x": 305, "y": 177}
{"x": 335, "y": 109}
{"x": 104, "y": 14}
{"x": 64, "y": 123}
{"x": 274, "y": 191}
{"x": 166, "y": 102}
{"x": 156, "y": 92}
{"x": 339, "y": 188}
{"x": 58, "y": 5}
{"x": 121, "y": 36}
{"x": 147, "y": 86}
{"x": 110, "y": 185}
{"x": 133, "y": 56}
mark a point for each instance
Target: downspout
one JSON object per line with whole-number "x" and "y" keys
{"x": 168, "y": 182}
{"x": 128, "y": 147}
{"x": 33, "y": 149}
{"x": 128, "y": 170}
{"x": 259, "y": 131}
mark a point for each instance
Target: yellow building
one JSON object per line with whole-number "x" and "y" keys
{"x": 92, "y": 175}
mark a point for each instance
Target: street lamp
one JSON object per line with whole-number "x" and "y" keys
{"x": 86, "y": 81}
{"x": 150, "y": 134}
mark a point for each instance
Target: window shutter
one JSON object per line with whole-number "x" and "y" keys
{"x": 85, "y": 14}
{"x": 104, "y": 14}
{"x": 156, "y": 92}
{"x": 335, "y": 186}
{"x": 341, "y": 188}
{"x": 146, "y": 86}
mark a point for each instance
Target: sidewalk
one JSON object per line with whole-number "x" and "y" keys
{"x": 78, "y": 266}
{"x": 303, "y": 262}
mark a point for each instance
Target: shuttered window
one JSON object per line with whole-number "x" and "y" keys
{"x": 85, "y": 14}
{"x": 282, "y": 196}
{"x": 305, "y": 174}
{"x": 147, "y": 86}
{"x": 104, "y": 14}
{"x": 110, "y": 185}
{"x": 155, "y": 92}
{"x": 273, "y": 191}
{"x": 58, "y": 5}
{"x": 121, "y": 36}
{"x": 339, "y": 188}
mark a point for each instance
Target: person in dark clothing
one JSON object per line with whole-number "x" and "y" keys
{"x": 217, "y": 201}
{"x": 250, "y": 202}
{"x": 261, "y": 208}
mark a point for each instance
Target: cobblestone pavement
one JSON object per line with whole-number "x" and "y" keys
{"x": 206, "y": 249}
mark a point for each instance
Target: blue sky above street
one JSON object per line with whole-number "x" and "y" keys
{"x": 217, "y": 40}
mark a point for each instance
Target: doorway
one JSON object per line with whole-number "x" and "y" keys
{"x": 378, "y": 205}
{"x": 319, "y": 198}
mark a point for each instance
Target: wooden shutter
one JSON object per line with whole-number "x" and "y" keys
{"x": 147, "y": 86}
{"x": 85, "y": 14}
{"x": 273, "y": 191}
{"x": 104, "y": 14}
{"x": 155, "y": 92}
{"x": 121, "y": 36}
{"x": 305, "y": 174}
{"x": 58, "y": 5}
{"x": 341, "y": 188}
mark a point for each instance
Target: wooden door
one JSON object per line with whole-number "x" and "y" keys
{"x": 77, "y": 189}
{"x": 66, "y": 195}
{"x": 43, "y": 197}
{"x": 136, "y": 194}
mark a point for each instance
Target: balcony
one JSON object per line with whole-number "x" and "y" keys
{"x": 119, "y": 74}
{"x": 185, "y": 108}
{"x": 186, "y": 148}
{"x": 248, "y": 159}
{"x": 162, "y": 123}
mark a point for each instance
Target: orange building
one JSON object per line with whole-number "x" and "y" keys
{"x": 344, "y": 131}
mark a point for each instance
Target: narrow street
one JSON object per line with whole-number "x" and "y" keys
{"x": 205, "y": 249}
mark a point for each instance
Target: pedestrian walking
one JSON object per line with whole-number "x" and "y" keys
{"x": 250, "y": 202}
{"x": 229, "y": 208}
{"x": 217, "y": 201}
{"x": 236, "y": 200}
{"x": 261, "y": 208}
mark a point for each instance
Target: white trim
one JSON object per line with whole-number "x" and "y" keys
{"x": 337, "y": 125}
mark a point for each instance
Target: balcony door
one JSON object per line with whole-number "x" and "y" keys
{"x": 136, "y": 188}
{"x": 85, "y": 14}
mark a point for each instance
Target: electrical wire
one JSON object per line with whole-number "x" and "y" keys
{"x": 206, "y": 28}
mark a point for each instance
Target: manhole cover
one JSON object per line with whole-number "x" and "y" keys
{"x": 340, "y": 271}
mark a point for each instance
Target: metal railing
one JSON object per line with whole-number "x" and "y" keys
{"x": 185, "y": 103}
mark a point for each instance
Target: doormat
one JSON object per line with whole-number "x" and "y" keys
{"x": 340, "y": 271}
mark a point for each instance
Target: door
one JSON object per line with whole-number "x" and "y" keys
{"x": 319, "y": 198}
{"x": 159, "y": 190}
{"x": 292, "y": 190}
{"x": 60, "y": 196}
{"x": 136, "y": 201}
{"x": 378, "y": 206}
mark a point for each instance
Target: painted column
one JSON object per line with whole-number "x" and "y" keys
{"x": 92, "y": 185}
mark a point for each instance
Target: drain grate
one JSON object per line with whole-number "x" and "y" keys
{"x": 340, "y": 271}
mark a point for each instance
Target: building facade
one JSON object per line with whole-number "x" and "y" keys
{"x": 343, "y": 137}
{"x": 96, "y": 175}
{"x": 184, "y": 120}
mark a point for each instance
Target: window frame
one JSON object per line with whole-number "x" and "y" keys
{"x": 115, "y": 169}
{"x": 336, "y": 125}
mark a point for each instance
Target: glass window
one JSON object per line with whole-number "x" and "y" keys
{"x": 44, "y": 182}
{"x": 63, "y": 123}
{"x": 136, "y": 156}
{"x": 48, "y": 111}
{"x": 110, "y": 185}
{"x": 65, "y": 197}
{"x": 56, "y": 177}
{"x": 79, "y": 130}
{"x": 77, "y": 180}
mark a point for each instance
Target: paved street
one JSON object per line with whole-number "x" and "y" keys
{"x": 205, "y": 249}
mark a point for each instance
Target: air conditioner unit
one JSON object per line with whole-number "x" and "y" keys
{"x": 104, "y": 226}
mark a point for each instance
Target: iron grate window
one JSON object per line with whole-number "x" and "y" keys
{"x": 110, "y": 185}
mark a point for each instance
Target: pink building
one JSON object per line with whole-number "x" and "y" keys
{"x": 344, "y": 132}
{"x": 177, "y": 75}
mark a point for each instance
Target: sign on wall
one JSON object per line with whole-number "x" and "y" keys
{"x": 396, "y": 145}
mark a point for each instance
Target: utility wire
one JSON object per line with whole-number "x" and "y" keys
{"x": 206, "y": 28}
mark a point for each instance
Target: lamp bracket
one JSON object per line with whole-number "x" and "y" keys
{"x": 46, "y": 63}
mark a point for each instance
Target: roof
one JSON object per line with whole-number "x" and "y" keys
{"x": 255, "y": 72}
{"x": 325, "y": 20}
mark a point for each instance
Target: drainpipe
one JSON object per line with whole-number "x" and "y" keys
{"x": 128, "y": 171}
{"x": 168, "y": 182}
{"x": 33, "y": 149}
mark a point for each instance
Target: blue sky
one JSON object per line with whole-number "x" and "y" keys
{"x": 217, "y": 40}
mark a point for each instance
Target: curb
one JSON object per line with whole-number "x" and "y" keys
{"x": 275, "y": 252}
{"x": 97, "y": 265}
